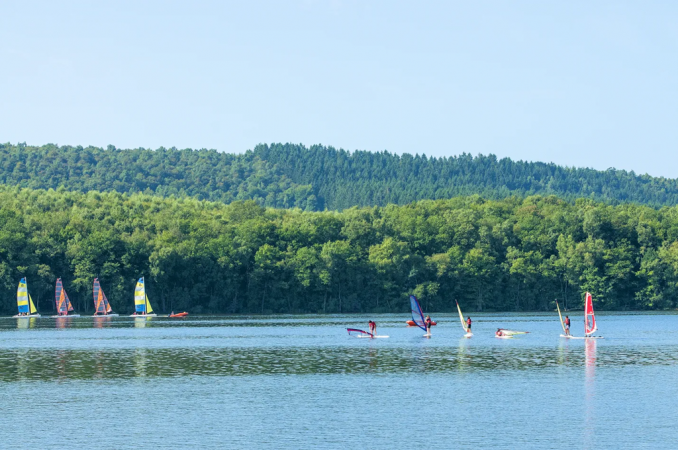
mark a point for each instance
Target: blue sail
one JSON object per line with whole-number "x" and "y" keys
{"x": 417, "y": 313}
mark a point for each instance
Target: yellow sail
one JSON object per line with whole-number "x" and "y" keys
{"x": 561, "y": 317}
{"x": 149, "y": 309}
{"x": 461, "y": 317}
{"x": 33, "y": 308}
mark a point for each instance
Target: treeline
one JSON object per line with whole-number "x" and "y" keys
{"x": 342, "y": 179}
{"x": 316, "y": 178}
{"x": 511, "y": 254}
{"x": 203, "y": 174}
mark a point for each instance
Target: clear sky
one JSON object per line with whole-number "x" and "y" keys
{"x": 578, "y": 83}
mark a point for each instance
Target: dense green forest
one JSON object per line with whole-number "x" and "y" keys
{"x": 316, "y": 178}
{"x": 509, "y": 254}
{"x": 341, "y": 179}
{"x": 204, "y": 174}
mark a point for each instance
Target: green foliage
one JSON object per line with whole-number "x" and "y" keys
{"x": 342, "y": 179}
{"x": 320, "y": 178}
{"x": 202, "y": 256}
{"x": 204, "y": 174}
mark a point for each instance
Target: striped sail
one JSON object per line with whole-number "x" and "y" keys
{"x": 140, "y": 297}
{"x": 63, "y": 304}
{"x": 101, "y": 305}
{"x": 22, "y": 297}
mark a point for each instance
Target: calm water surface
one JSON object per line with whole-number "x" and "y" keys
{"x": 292, "y": 381}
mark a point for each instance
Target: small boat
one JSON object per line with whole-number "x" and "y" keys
{"x": 181, "y": 314}
{"x": 411, "y": 323}
{"x": 506, "y": 332}
{"x": 63, "y": 303}
{"x": 101, "y": 306}
{"x": 24, "y": 302}
{"x": 142, "y": 307}
{"x": 463, "y": 324}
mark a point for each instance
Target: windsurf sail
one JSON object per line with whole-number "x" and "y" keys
{"x": 562, "y": 324}
{"x": 461, "y": 317}
{"x": 358, "y": 333}
{"x": 23, "y": 300}
{"x": 512, "y": 332}
{"x": 141, "y": 303}
{"x": 589, "y": 316}
{"x": 63, "y": 304}
{"x": 417, "y": 313}
{"x": 101, "y": 305}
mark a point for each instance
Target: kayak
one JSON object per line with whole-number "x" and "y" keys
{"x": 410, "y": 323}
{"x": 181, "y": 314}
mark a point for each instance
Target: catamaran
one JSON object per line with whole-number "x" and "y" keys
{"x": 63, "y": 304}
{"x": 141, "y": 304}
{"x": 363, "y": 334}
{"x": 25, "y": 302}
{"x": 101, "y": 306}
{"x": 418, "y": 315}
{"x": 463, "y": 323}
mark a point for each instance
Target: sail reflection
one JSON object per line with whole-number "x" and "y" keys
{"x": 26, "y": 323}
{"x": 590, "y": 393}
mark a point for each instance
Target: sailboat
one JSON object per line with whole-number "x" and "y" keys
{"x": 63, "y": 304}
{"x": 463, "y": 323}
{"x": 141, "y": 304}
{"x": 101, "y": 306}
{"x": 25, "y": 302}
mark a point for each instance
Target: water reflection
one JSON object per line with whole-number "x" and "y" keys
{"x": 24, "y": 324}
{"x": 102, "y": 321}
{"x": 590, "y": 392}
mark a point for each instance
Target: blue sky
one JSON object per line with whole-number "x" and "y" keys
{"x": 577, "y": 83}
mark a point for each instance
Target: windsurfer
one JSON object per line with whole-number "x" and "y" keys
{"x": 499, "y": 333}
{"x": 373, "y": 327}
{"x": 428, "y": 322}
{"x": 468, "y": 324}
{"x": 567, "y": 325}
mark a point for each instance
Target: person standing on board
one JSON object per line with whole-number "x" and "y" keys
{"x": 567, "y": 325}
{"x": 468, "y": 324}
{"x": 428, "y": 322}
{"x": 373, "y": 327}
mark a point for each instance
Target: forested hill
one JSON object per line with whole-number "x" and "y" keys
{"x": 316, "y": 178}
{"x": 342, "y": 179}
{"x": 204, "y": 174}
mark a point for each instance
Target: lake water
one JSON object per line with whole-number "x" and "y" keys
{"x": 301, "y": 381}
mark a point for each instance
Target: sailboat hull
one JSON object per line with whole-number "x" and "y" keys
{"x": 65, "y": 317}
{"x": 26, "y": 317}
{"x": 143, "y": 315}
{"x": 106, "y": 315}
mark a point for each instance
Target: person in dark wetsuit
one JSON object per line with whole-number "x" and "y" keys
{"x": 468, "y": 324}
{"x": 428, "y": 323}
{"x": 373, "y": 327}
{"x": 567, "y": 325}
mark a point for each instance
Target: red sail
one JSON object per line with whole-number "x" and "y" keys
{"x": 589, "y": 315}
